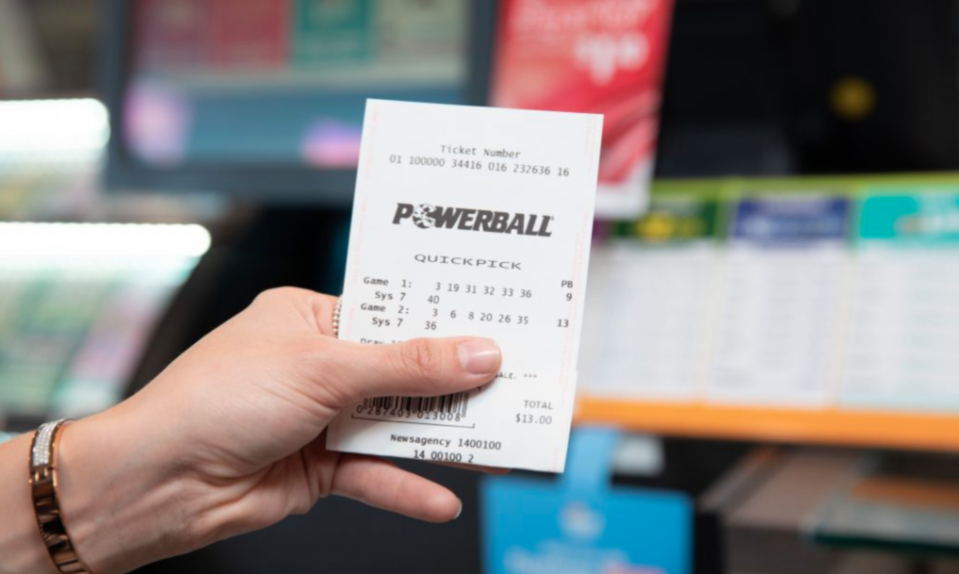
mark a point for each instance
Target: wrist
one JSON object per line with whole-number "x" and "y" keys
{"x": 121, "y": 499}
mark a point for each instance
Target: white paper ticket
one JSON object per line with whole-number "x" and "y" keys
{"x": 472, "y": 221}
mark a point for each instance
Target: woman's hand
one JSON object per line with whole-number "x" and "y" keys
{"x": 230, "y": 438}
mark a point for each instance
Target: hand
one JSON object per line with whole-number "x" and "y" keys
{"x": 230, "y": 438}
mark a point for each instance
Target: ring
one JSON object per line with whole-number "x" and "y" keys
{"x": 336, "y": 317}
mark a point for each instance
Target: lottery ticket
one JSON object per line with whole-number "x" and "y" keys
{"x": 472, "y": 221}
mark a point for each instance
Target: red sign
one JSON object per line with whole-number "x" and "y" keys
{"x": 251, "y": 33}
{"x": 595, "y": 56}
{"x": 172, "y": 34}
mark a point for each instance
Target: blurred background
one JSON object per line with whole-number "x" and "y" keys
{"x": 770, "y": 361}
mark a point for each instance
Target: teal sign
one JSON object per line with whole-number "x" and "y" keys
{"x": 583, "y": 524}
{"x": 922, "y": 218}
{"x": 334, "y": 33}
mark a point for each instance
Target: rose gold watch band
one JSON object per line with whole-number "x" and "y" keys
{"x": 43, "y": 486}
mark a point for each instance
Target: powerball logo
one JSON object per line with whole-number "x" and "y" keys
{"x": 426, "y": 216}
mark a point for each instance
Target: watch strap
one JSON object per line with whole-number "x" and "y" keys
{"x": 43, "y": 487}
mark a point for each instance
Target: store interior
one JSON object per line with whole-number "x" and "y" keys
{"x": 769, "y": 379}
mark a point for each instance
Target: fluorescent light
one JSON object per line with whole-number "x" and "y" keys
{"x": 83, "y": 240}
{"x": 44, "y": 128}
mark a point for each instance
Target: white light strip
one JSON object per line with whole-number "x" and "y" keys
{"x": 21, "y": 240}
{"x": 52, "y": 127}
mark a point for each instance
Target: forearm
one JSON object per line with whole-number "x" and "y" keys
{"x": 21, "y": 548}
{"x": 121, "y": 505}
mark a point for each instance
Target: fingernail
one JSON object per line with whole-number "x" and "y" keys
{"x": 479, "y": 356}
{"x": 460, "y": 511}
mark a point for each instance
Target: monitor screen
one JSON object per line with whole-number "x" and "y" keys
{"x": 265, "y": 98}
{"x": 281, "y": 81}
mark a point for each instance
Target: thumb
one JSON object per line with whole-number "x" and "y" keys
{"x": 419, "y": 367}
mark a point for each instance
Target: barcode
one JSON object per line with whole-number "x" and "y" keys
{"x": 454, "y": 404}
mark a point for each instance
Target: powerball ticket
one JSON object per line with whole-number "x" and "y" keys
{"x": 472, "y": 221}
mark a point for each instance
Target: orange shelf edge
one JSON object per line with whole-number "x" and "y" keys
{"x": 921, "y": 431}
